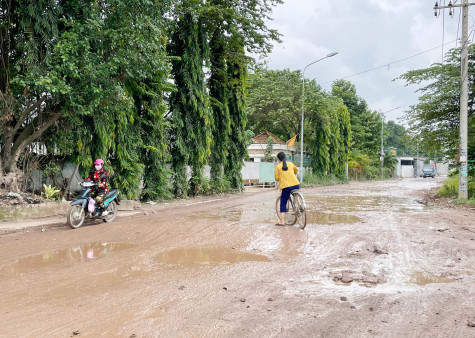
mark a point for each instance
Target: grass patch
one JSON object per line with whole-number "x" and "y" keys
{"x": 451, "y": 187}
{"x": 313, "y": 180}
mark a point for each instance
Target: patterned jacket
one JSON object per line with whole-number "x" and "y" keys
{"x": 95, "y": 176}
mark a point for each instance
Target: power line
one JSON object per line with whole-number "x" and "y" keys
{"x": 391, "y": 63}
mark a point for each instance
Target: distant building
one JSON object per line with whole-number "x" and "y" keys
{"x": 257, "y": 149}
{"x": 409, "y": 166}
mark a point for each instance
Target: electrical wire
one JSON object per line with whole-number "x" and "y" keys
{"x": 391, "y": 63}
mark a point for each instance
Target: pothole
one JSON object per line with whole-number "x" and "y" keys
{"x": 65, "y": 257}
{"x": 364, "y": 203}
{"x": 203, "y": 256}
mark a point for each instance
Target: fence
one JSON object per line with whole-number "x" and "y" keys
{"x": 253, "y": 173}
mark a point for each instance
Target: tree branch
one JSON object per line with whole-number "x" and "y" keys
{"x": 27, "y": 136}
{"x": 27, "y": 111}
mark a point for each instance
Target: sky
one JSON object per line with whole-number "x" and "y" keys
{"x": 367, "y": 34}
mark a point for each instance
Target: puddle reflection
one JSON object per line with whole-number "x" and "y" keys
{"x": 64, "y": 256}
{"x": 198, "y": 256}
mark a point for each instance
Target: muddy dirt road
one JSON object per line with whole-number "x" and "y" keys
{"x": 374, "y": 261}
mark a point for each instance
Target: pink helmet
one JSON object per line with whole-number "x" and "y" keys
{"x": 99, "y": 161}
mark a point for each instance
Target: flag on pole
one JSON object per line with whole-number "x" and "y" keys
{"x": 291, "y": 142}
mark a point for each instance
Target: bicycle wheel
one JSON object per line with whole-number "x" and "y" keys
{"x": 300, "y": 210}
{"x": 290, "y": 217}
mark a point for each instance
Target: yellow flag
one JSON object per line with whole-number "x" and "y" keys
{"x": 291, "y": 142}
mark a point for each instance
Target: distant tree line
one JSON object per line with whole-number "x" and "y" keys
{"x": 339, "y": 128}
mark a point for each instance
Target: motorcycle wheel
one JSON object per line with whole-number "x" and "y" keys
{"x": 112, "y": 209}
{"x": 76, "y": 215}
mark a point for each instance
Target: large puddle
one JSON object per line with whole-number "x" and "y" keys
{"x": 201, "y": 256}
{"x": 422, "y": 278}
{"x": 363, "y": 203}
{"x": 237, "y": 215}
{"x": 64, "y": 257}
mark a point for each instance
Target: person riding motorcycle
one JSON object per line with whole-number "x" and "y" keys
{"x": 100, "y": 176}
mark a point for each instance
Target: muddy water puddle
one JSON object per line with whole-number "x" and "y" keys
{"x": 422, "y": 278}
{"x": 203, "y": 256}
{"x": 363, "y": 203}
{"x": 63, "y": 257}
{"x": 318, "y": 217}
{"x": 264, "y": 214}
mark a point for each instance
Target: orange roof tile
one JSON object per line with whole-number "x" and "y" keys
{"x": 262, "y": 138}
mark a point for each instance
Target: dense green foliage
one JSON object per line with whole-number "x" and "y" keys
{"x": 125, "y": 81}
{"x": 94, "y": 90}
{"x": 365, "y": 143}
{"x": 189, "y": 103}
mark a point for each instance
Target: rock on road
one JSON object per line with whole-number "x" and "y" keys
{"x": 374, "y": 260}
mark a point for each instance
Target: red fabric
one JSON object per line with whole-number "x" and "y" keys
{"x": 95, "y": 176}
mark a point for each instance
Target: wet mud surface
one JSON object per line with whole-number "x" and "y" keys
{"x": 376, "y": 259}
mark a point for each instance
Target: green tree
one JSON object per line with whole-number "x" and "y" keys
{"x": 28, "y": 106}
{"x": 237, "y": 75}
{"x": 189, "y": 104}
{"x": 396, "y": 136}
{"x": 435, "y": 118}
{"x": 234, "y": 27}
{"x": 219, "y": 95}
{"x": 74, "y": 70}
{"x": 365, "y": 124}
{"x": 274, "y": 102}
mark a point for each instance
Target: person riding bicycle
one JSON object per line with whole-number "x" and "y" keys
{"x": 100, "y": 176}
{"x": 285, "y": 172}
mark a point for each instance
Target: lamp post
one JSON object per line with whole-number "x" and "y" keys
{"x": 303, "y": 101}
{"x": 381, "y": 158}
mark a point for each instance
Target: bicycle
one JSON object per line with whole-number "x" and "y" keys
{"x": 295, "y": 209}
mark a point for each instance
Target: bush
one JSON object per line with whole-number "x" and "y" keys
{"x": 50, "y": 192}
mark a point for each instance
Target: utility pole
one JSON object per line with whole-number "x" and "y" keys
{"x": 381, "y": 158}
{"x": 382, "y": 148}
{"x": 463, "y": 141}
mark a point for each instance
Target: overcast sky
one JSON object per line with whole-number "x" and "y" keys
{"x": 366, "y": 34}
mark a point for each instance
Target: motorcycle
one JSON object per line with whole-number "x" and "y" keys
{"x": 84, "y": 206}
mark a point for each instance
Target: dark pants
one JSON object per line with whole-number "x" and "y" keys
{"x": 285, "y": 197}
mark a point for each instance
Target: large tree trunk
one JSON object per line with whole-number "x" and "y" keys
{"x": 27, "y": 136}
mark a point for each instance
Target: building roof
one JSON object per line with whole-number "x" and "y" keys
{"x": 262, "y": 138}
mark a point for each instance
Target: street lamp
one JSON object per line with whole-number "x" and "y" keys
{"x": 381, "y": 158}
{"x": 303, "y": 101}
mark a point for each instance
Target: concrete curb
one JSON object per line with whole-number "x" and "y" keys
{"x": 50, "y": 213}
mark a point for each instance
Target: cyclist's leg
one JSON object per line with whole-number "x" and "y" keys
{"x": 292, "y": 198}
{"x": 284, "y": 197}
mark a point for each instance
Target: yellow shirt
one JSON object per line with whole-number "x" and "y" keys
{"x": 286, "y": 178}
